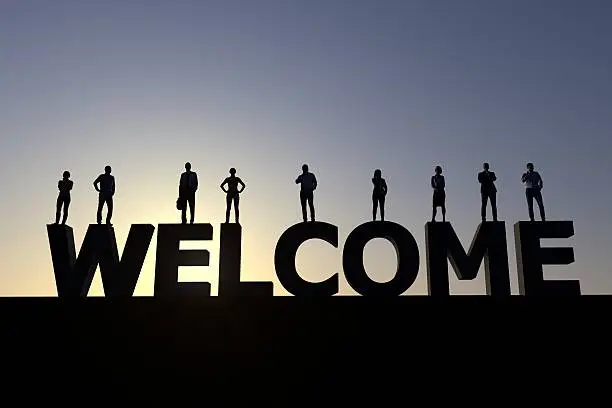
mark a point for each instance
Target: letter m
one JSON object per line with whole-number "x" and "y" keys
{"x": 489, "y": 243}
{"x": 73, "y": 275}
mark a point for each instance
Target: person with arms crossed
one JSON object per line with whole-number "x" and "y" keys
{"x": 488, "y": 192}
{"x": 533, "y": 189}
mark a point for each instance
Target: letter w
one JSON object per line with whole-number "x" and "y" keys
{"x": 73, "y": 275}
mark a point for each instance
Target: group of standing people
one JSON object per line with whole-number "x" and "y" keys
{"x": 232, "y": 186}
{"x": 488, "y": 192}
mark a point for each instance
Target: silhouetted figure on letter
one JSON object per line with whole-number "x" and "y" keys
{"x": 308, "y": 183}
{"x": 439, "y": 195}
{"x": 63, "y": 198}
{"x": 188, "y": 185}
{"x": 105, "y": 186}
{"x": 488, "y": 191}
{"x": 378, "y": 195}
{"x": 533, "y": 189}
{"x": 232, "y": 194}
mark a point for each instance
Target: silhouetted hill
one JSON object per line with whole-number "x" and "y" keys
{"x": 283, "y": 345}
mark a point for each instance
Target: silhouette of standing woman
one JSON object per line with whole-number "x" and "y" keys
{"x": 488, "y": 191}
{"x": 439, "y": 195}
{"x": 188, "y": 185}
{"x": 378, "y": 194}
{"x": 63, "y": 198}
{"x": 232, "y": 194}
{"x": 106, "y": 192}
{"x": 308, "y": 183}
{"x": 533, "y": 189}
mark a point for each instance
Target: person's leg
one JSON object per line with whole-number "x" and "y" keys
{"x": 303, "y": 203}
{"x": 374, "y": 207}
{"x": 109, "y": 210}
{"x": 493, "y": 198}
{"x": 237, "y": 207}
{"x": 192, "y": 208}
{"x": 483, "y": 206}
{"x": 540, "y": 201}
{"x": 381, "y": 200}
{"x": 184, "y": 211}
{"x": 58, "y": 209}
{"x": 529, "y": 195}
{"x": 100, "y": 205}
{"x": 443, "y": 207}
{"x": 434, "y": 212}
{"x": 311, "y": 205}
{"x": 66, "y": 206}
{"x": 228, "y": 206}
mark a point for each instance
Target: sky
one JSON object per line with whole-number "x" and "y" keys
{"x": 347, "y": 86}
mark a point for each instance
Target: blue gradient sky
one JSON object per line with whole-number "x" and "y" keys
{"x": 346, "y": 86}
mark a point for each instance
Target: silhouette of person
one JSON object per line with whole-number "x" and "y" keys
{"x": 188, "y": 185}
{"x": 308, "y": 184}
{"x": 63, "y": 198}
{"x": 232, "y": 194}
{"x": 488, "y": 191}
{"x": 378, "y": 194}
{"x": 533, "y": 189}
{"x": 105, "y": 186}
{"x": 439, "y": 195}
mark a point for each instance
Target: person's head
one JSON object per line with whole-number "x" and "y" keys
{"x": 66, "y": 175}
{"x": 485, "y": 166}
{"x": 305, "y": 168}
{"x": 187, "y": 166}
{"x": 232, "y": 171}
{"x": 377, "y": 173}
{"x": 107, "y": 169}
{"x": 530, "y": 166}
{"x": 438, "y": 170}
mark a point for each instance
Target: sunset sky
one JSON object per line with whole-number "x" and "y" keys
{"x": 346, "y": 86}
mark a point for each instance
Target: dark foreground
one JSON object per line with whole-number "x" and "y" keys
{"x": 294, "y": 348}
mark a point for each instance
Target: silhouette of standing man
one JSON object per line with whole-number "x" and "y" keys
{"x": 488, "y": 191}
{"x": 378, "y": 194}
{"x": 308, "y": 183}
{"x": 188, "y": 185}
{"x": 106, "y": 192}
{"x": 63, "y": 198}
{"x": 439, "y": 195}
{"x": 232, "y": 194}
{"x": 533, "y": 189}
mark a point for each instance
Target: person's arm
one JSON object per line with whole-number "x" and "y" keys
{"x": 95, "y": 183}
{"x": 433, "y": 182}
{"x": 70, "y": 184}
{"x": 298, "y": 180}
{"x": 493, "y": 176}
{"x": 480, "y": 177}
{"x": 384, "y": 186}
{"x": 442, "y": 183}
{"x": 113, "y": 186}
{"x": 242, "y": 184}
{"x": 59, "y": 185}
{"x": 195, "y": 183}
{"x": 540, "y": 182}
{"x": 222, "y": 184}
{"x": 524, "y": 178}
{"x": 314, "y": 182}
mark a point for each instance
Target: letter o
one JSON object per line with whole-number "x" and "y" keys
{"x": 406, "y": 249}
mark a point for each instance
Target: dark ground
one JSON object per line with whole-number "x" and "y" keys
{"x": 300, "y": 348}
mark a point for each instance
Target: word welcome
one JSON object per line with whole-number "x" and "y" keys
{"x": 74, "y": 274}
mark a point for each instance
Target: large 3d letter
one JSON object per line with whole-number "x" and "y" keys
{"x": 229, "y": 266}
{"x": 530, "y": 257}
{"x": 489, "y": 243}
{"x": 73, "y": 275}
{"x": 170, "y": 257}
{"x": 286, "y": 250}
{"x": 407, "y": 258}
